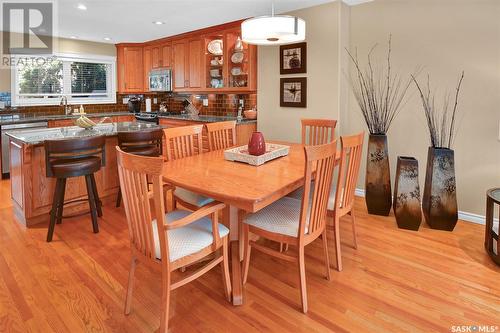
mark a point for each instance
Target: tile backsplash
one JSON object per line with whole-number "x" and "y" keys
{"x": 218, "y": 104}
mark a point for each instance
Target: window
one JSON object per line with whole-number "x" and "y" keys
{"x": 83, "y": 80}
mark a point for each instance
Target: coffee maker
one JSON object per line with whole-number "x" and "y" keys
{"x": 134, "y": 104}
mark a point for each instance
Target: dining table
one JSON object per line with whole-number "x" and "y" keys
{"x": 242, "y": 187}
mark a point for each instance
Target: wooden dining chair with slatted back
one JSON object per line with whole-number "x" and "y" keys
{"x": 318, "y": 131}
{"x": 181, "y": 142}
{"x": 342, "y": 196}
{"x": 315, "y": 132}
{"x": 167, "y": 241}
{"x": 221, "y": 135}
{"x": 296, "y": 222}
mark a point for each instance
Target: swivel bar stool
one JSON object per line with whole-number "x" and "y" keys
{"x": 148, "y": 143}
{"x": 68, "y": 158}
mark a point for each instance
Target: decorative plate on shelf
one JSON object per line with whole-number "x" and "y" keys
{"x": 215, "y": 47}
{"x": 237, "y": 57}
{"x": 236, "y": 70}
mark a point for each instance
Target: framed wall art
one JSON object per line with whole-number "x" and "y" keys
{"x": 293, "y": 58}
{"x": 293, "y": 92}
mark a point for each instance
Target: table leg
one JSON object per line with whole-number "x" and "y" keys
{"x": 231, "y": 216}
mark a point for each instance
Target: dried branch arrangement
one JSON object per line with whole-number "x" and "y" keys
{"x": 379, "y": 92}
{"x": 441, "y": 121}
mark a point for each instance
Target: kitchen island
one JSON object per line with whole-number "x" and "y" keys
{"x": 32, "y": 191}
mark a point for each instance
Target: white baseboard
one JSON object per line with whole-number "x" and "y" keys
{"x": 465, "y": 216}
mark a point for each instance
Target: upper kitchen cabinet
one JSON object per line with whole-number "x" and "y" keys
{"x": 130, "y": 68}
{"x": 208, "y": 60}
{"x": 187, "y": 64}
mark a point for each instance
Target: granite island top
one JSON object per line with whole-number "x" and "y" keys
{"x": 205, "y": 119}
{"x": 38, "y": 136}
{"x": 20, "y": 118}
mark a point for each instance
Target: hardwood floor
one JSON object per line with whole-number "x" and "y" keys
{"x": 396, "y": 281}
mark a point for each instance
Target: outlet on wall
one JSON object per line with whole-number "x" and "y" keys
{"x": 205, "y": 102}
{"x": 155, "y": 100}
{"x": 125, "y": 100}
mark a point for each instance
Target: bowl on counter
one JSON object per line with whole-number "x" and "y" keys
{"x": 250, "y": 114}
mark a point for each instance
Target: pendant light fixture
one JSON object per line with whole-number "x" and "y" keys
{"x": 273, "y": 30}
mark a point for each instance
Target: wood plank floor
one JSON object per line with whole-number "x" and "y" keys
{"x": 397, "y": 281}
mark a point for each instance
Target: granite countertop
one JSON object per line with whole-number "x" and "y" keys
{"x": 38, "y": 136}
{"x": 206, "y": 119}
{"x": 19, "y": 118}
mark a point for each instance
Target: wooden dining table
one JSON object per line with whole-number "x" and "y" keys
{"x": 242, "y": 187}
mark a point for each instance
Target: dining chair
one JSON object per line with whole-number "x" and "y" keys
{"x": 221, "y": 135}
{"x": 170, "y": 240}
{"x": 181, "y": 142}
{"x": 296, "y": 222}
{"x": 318, "y": 131}
{"x": 341, "y": 200}
{"x": 315, "y": 132}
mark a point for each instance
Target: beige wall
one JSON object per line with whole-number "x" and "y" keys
{"x": 322, "y": 77}
{"x": 63, "y": 45}
{"x": 443, "y": 36}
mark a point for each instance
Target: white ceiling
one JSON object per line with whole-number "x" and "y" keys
{"x": 131, "y": 21}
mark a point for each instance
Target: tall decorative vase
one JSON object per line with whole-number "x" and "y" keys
{"x": 378, "y": 177}
{"x": 440, "y": 197}
{"x": 407, "y": 207}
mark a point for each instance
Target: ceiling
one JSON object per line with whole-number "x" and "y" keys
{"x": 132, "y": 21}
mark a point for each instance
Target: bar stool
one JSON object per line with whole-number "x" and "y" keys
{"x": 68, "y": 158}
{"x": 147, "y": 143}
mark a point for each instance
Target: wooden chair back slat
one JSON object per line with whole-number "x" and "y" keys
{"x": 221, "y": 135}
{"x": 183, "y": 141}
{"x": 134, "y": 172}
{"x": 350, "y": 161}
{"x": 318, "y": 131}
{"x": 323, "y": 158}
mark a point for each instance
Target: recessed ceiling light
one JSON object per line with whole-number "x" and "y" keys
{"x": 73, "y": 37}
{"x": 81, "y": 6}
{"x": 107, "y": 38}
{"x": 158, "y": 22}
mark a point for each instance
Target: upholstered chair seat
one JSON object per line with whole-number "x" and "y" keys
{"x": 188, "y": 239}
{"x": 192, "y": 198}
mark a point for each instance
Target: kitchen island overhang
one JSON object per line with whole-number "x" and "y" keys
{"x": 32, "y": 191}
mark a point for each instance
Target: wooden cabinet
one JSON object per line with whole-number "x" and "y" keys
{"x": 147, "y": 67}
{"x": 166, "y": 55}
{"x": 190, "y": 61}
{"x": 130, "y": 69}
{"x": 179, "y": 64}
{"x": 187, "y": 67}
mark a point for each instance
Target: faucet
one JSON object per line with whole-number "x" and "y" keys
{"x": 64, "y": 101}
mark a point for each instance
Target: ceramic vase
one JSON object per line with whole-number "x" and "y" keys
{"x": 378, "y": 177}
{"x": 256, "y": 145}
{"x": 406, "y": 205}
{"x": 440, "y": 196}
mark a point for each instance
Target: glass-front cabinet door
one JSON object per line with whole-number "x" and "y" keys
{"x": 215, "y": 62}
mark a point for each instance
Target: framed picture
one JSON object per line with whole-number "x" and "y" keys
{"x": 293, "y": 92}
{"x": 293, "y": 58}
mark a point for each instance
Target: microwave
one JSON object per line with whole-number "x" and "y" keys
{"x": 160, "y": 80}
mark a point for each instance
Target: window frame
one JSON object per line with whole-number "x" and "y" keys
{"x": 67, "y": 57}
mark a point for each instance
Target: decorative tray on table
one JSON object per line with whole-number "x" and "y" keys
{"x": 240, "y": 154}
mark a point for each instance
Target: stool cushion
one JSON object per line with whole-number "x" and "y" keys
{"x": 281, "y": 217}
{"x": 64, "y": 168}
{"x": 192, "y": 198}
{"x": 189, "y": 239}
{"x": 142, "y": 151}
